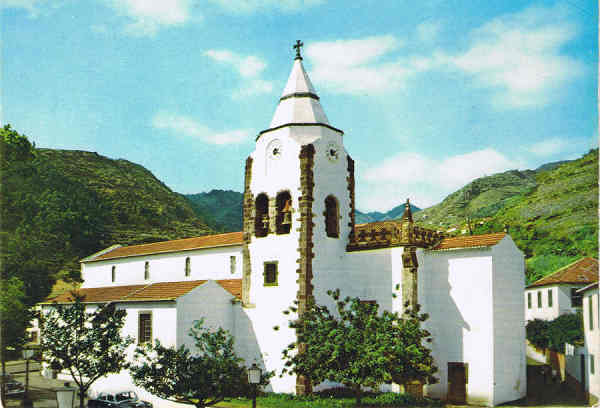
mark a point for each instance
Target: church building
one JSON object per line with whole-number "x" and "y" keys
{"x": 299, "y": 240}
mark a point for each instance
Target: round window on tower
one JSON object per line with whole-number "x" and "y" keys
{"x": 274, "y": 149}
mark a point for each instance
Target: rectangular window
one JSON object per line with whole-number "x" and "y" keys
{"x": 232, "y": 264}
{"x": 549, "y": 297}
{"x": 529, "y": 300}
{"x": 188, "y": 266}
{"x": 145, "y": 328}
{"x": 575, "y": 298}
{"x": 592, "y": 368}
{"x": 113, "y": 273}
{"x": 270, "y": 273}
{"x": 539, "y": 294}
{"x": 591, "y": 313}
{"x": 147, "y": 270}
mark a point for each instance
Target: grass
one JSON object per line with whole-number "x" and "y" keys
{"x": 385, "y": 400}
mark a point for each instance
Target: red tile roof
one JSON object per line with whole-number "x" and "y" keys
{"x": 582, "y": 271}
{"x": 207, "y": 241}
{"x": 470, "y": 241}
{"x": 144, "y": 293}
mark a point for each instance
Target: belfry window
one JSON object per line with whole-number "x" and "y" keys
{"x": 261, "y": 221}
{"x": 284, "y": 212}
{"x": 332, "y": 224}
{"x": 188, "y": 266}
{"x": 147, "y": 270}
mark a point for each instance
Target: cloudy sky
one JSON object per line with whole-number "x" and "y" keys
{"x": 430, "y": 94}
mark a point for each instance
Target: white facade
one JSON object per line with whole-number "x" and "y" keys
{"x": 550, "y": 301}
{"x": 591, "y": 320}
{"x": 473, "y": 294}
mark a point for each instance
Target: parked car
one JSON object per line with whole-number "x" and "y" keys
{"x": 12, "y": 387}
{"x": 121, "y": 399}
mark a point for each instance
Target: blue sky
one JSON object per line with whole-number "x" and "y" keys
{"x": 430, "y": 94}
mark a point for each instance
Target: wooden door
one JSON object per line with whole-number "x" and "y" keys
{"x": 582, "y": 370}
{"x": 457, "y": 383}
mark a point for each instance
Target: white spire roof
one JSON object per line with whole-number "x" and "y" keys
{"x": 299, "y": 102}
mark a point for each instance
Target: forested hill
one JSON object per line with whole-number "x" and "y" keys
{"x": 59, "y": 206}
{"x": 551, "y": 213}
{"x": 222, "y": 209}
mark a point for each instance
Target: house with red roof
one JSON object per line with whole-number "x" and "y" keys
{"x": 300, "y": 240}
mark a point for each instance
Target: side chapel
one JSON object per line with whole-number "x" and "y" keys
{"x": 299, "y": 240}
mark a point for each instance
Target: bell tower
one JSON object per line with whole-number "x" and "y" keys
{"x": 298, "y": 212}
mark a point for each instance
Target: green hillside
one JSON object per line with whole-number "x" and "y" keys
{"x": 222, "y": 209}
{"x": 59, "y": 206}
{"x": 551, "y": 213}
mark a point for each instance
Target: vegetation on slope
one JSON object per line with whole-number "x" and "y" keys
{"x": 221, "y": 209}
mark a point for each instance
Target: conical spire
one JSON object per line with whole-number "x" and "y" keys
{"x": 299, "y": 102}
{"x": 407, "y": 215}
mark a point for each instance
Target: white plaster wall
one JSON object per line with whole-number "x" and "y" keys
{"x": 209, "y": 302}
{"x": 209, "y": 263}
{"x": 510, "y": 364}
{"x": 459, "y": 302}
{"x": 544, "y": 312}
{"x": 592, "y": 340}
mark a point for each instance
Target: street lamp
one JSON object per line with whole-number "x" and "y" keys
{"x": 65, "y": 397}
{"x": 254, "y": 378}
{"x": 27, "y": 354}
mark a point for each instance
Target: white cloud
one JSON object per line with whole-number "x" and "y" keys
{"x": 355, "y": 66}
{"x": 519, "y": 55}
{"x": 252, "y": 6}
{"x": 548, "y": 147}
{"x": 187, "y": 127}
{"x": 425, "y": 180}
{"x": 248, "y": 67}
{"x": 147, "y": 17}
{"x": 428, "y": 31}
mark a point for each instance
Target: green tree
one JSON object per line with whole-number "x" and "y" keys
{"x": 14, "y": 317}
{"x": 566, "y": 328}
{"x": 358, "y": 346}
{"x": 203, "y": 377}
{"x": 88, "y": 345}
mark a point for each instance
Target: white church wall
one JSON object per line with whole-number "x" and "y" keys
{"x": 461, "y": 318}
{"x": 208, "y": 301}
{"x": 510, "y": 377}
{"x": 207, "y": 263}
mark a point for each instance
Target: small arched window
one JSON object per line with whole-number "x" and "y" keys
{"x": 188, "y": 266}
{"x": 147, "y": 270}
{"x": 261, "y": 221}
{"x": 332, "y": 224}
{"x": 284, "y": 212}
{"x": 113, "y": 273}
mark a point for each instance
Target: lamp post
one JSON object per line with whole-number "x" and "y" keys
{"x": 27, "y": 354}
{"x": 254, "y": 379}
{"x": 65, "y": 397}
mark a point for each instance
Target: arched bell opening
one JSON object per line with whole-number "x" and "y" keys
{"x": 284, "y": 212}
{"x": 261, "y": 220}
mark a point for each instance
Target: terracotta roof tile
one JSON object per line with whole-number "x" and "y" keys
{"x": 582, "y": 271}
{"x": 470, "y": 241}
{"x": 144, "y": 293}
{"x": 207, "y": 241}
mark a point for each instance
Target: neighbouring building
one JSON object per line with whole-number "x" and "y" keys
{"x": 557, "y": 293}
{"x": 590, "y": 359}
{"x": 299, "y": 240}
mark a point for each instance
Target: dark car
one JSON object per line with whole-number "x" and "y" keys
{"x": 12, "y": 387}
{"x": 121, "y": 399}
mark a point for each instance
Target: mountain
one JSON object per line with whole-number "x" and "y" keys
{"x": 551, "y": 213}
{"x": 58, "y": 206}
{"x": 222, "y": 209}
{"x": 480, "y": 198}
{"x": 374, "y": 216}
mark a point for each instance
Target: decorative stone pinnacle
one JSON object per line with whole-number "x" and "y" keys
{"x": 297, "y": 48}
{"x": 407, "y": 212}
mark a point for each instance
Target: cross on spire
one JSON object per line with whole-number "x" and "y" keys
{"x": 297, "y": 48}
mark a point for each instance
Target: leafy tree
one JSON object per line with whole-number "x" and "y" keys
{"x": 566, "y": 328}
{"x": 358, "y": 346}
{"x": 14, "y": 317}
{"x": 88, "y": 345}
{"x": 204, "y": 377}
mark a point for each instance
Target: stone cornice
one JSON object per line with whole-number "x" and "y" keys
{"x": 298, "y": 124}
{"x": 299, "y": 95}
